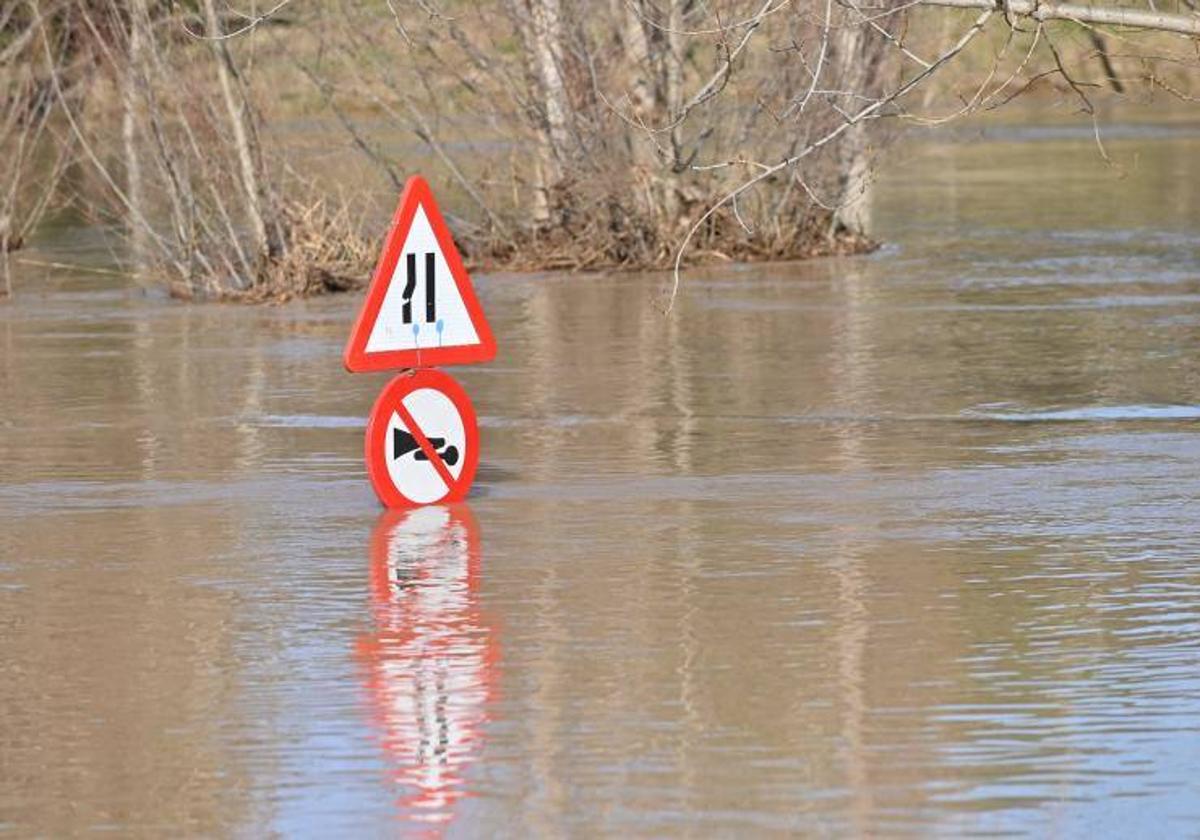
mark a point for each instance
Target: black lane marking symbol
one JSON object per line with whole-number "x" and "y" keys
{"x": 410, "y": 286}
{"x": 426, "y": 447}
{"x": 403, "y": 443}
{"x": 430, "y": 290}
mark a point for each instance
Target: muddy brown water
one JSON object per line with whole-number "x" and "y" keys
{"x": 900, "y": 544}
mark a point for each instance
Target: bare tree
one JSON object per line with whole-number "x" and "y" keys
{"x": 571, "y": 133}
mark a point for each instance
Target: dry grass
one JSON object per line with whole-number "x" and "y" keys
{"x": 325, "y": 252}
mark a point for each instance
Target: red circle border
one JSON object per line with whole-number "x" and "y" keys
{"x": 375, "y": 440}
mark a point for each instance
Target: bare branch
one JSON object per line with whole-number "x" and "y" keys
{"x": 253, "y": 22}
{"x": 1044, "y": 11}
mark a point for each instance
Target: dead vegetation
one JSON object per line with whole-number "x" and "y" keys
{"x": 594, "y": 135}
{"x": 563, "y": 134}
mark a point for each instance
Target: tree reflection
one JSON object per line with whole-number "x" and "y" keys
{"x": 430, "y": 663}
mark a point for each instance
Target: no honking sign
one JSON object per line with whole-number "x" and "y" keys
{"x": 422, "y": 442}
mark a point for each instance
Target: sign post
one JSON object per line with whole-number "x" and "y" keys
{"x": 422, "y": 443}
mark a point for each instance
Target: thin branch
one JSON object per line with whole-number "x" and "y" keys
{"x": 753, "y": 20}
{"x": 254, "y": 22}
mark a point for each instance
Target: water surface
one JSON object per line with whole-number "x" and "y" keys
{"x": 897, "y": 544}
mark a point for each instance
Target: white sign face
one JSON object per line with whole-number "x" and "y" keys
{"x": 423, "y": 308}
{"x": 411, "y": 471}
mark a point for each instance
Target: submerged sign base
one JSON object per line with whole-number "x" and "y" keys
{"x": 422, "y": 442}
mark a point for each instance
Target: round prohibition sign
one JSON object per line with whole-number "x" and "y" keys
{"x": 422, "y": 443}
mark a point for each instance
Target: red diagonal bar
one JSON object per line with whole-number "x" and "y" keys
{"x": 426, "y": 447}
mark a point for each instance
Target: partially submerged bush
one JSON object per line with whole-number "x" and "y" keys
{"x": 324, "y": 251}
{"x": 566, "y": 133}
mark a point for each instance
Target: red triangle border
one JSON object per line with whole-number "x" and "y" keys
{"x": 355, "y": 357}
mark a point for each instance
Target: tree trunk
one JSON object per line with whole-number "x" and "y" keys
{"x": 637, "y": 47}
{"x": 670, "y": 59}
{"x": 5, "y": 267}
{"x": 857, "y": 55}
{"x": 853, "y": 213}
{"x": 656, "y": 98}
{"x": 267, "y": 241}
{"x": 545, "y": 35}
{"x": 130, "y": 83}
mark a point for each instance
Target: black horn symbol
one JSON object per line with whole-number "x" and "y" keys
{"x": 403, "y": 443}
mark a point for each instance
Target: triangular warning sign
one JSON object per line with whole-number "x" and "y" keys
{"x": 420, "y": 310}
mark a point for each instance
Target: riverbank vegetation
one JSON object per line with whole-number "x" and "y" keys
{"x": 234, "y": 145}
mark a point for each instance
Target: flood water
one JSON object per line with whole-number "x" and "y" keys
{"x": 898, "y": 544}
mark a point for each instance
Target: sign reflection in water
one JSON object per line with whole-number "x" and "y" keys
{"x": 430, "y": 662}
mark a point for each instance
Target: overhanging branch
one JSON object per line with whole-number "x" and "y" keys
{"x": 1043, "y": 11}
